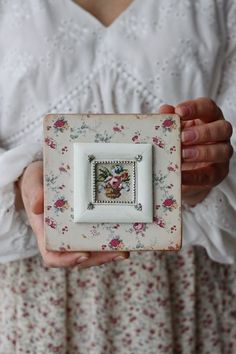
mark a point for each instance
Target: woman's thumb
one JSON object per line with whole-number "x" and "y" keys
{"x": 37, "y": 201}
{"x": 33, "y": 186}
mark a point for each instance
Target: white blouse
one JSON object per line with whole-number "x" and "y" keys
{"x": 56, "y": 57}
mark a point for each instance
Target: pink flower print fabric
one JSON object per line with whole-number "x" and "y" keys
{"x": 151, "y": 303}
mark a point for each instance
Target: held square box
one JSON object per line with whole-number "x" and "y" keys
{"x": 112, "y": 182}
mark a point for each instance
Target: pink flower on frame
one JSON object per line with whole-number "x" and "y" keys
{"x": 139, "y": 226}
{"x": 159, "y": 142}
{"x": 116, "y": 129}
{"x": 50, "y": 142}
{"x": 168, "y": 202}
{"x": 135, "y": 138}
{"x": 159, "y": 221}
{"x": 51, "y": 222}
{"x": 59, "y": 203}
{"x": 167, "y": 123}
{"x": 114, "y": 243}
{"x": 59, "y": 123}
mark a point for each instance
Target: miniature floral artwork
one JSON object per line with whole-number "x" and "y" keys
{"x": 114, "y": 182}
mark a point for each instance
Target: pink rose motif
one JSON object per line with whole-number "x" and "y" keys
{"x": 139, "y": 226}
{"x": 59, "y": 203}
{"x": 135, "y": 137}
{"x": 158, "y": 142}
{"x": 116, "y": 129}
{"x": 50, "y": 222}
{"x": 159, "y": 221}
{"x": 115, "y": 242}
{"x": 59, "y": 123}
{"x": 50, "y": 142}
{"x": 168, "y": 202}
{"x": 114, "y": 182}
{"x": 167, "y": 123}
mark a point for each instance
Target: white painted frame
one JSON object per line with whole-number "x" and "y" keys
{"x": 83, "y": 186}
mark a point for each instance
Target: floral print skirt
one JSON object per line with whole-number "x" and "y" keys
{"x": 151, "y": 303}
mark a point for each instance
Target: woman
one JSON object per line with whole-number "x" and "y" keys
{"x": 118, "y": 57}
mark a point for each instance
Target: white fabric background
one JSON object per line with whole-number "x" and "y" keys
{"x": 56, "y": 57}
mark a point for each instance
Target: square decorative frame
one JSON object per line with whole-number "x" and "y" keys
{"x": 63, "y": 231}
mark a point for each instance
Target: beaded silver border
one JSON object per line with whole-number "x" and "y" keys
{"x": 93, "y": 174}
{"x": 94, "y": 162}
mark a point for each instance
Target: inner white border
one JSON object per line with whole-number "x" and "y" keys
{"x": 110, "y": 213}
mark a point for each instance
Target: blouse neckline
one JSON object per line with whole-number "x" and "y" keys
{"x": 93, "y": 19}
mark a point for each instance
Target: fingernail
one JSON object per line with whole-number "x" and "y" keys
{"x": 118, "y": 258}
{"x": 81, "y": 259}
{"x": 188, "y": 135}
{"x": 183, "y": 111}
{"x": 189, "y": 153}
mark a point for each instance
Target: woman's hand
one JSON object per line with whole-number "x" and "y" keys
{"x": 206, "y": 148}
{"x": 31, "y": 188}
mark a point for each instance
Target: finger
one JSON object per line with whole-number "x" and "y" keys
{"x": 99, "y": 258}
{"x": 191, "y": 123}
{"x": 208, "y": 153}
{"x": 193, "y": 195}
{"x": 32, "y": 187}
{"x": 208, "y": 176}
{"x": 64, "y": 259}
{"x": 53, "y": 258}
{"x": 202, "y": 108}
{"x": 166, "y": 109}
{"x": 82, "y": 259}
{"x": 187, "y": 124}
{"x": 189, "y": 191}
{"x": 210, "y": 132}
{"x": 67, "y": 259}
